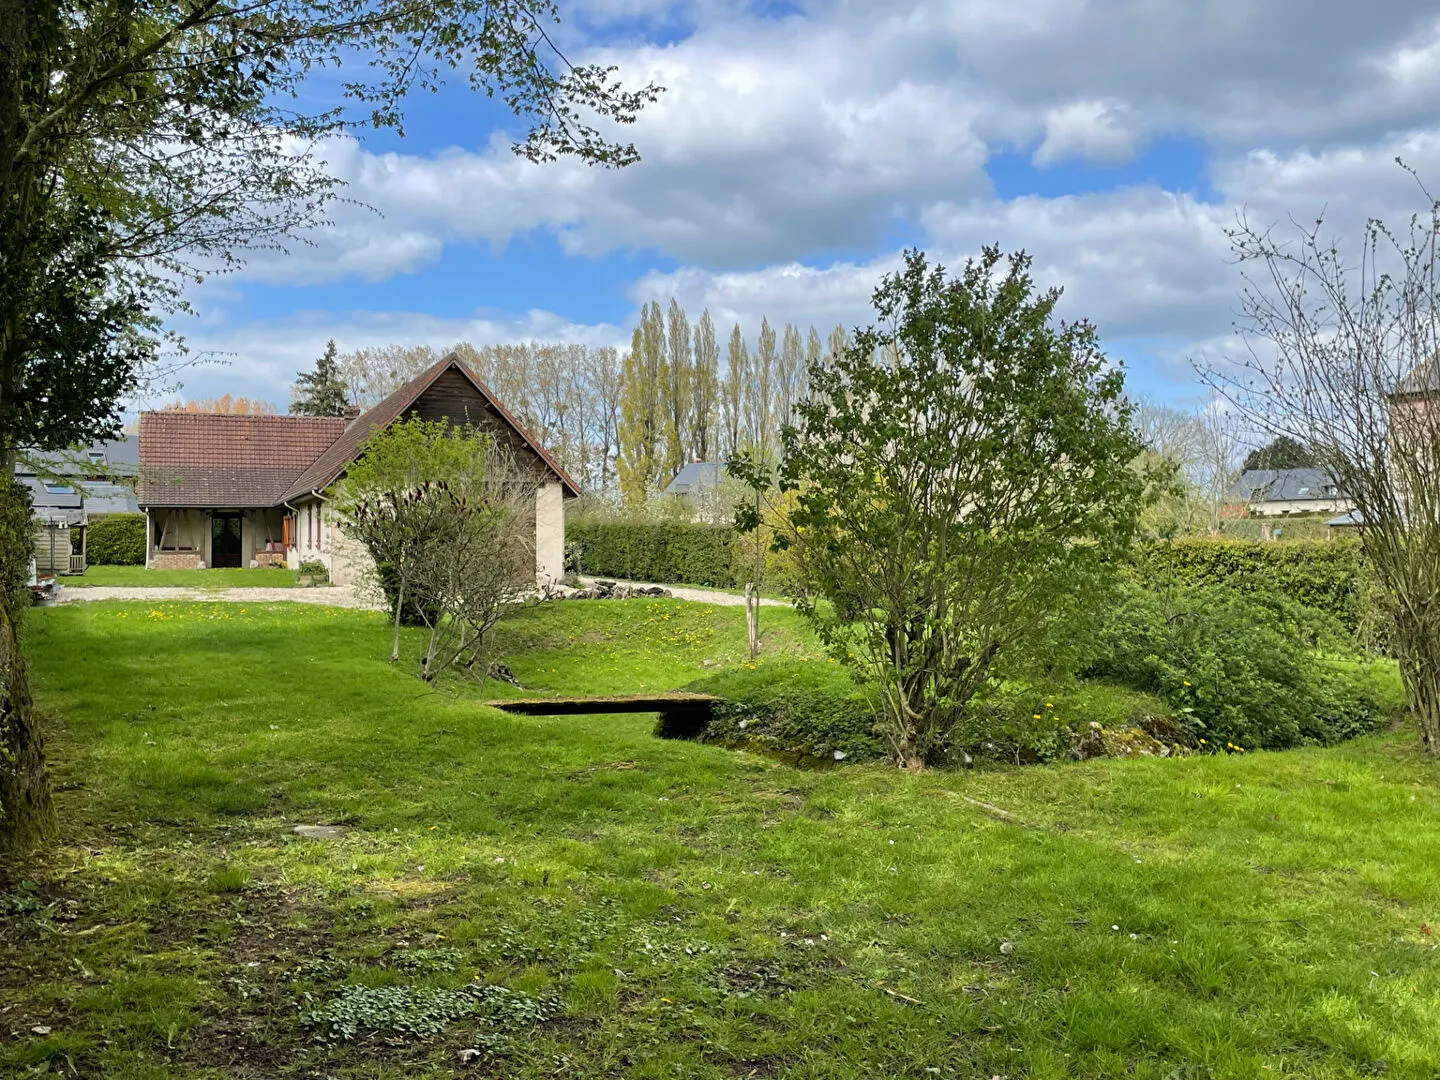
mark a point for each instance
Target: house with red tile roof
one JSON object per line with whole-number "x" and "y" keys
{"x": 235, "y": 491}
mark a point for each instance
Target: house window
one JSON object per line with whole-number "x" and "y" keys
{"x": 59, "y": 489}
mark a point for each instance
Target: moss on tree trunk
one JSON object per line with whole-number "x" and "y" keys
{"x": 27, "y": 813}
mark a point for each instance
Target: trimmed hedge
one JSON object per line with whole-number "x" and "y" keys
{"x": 659, "y": 551}
{"x": 1319, "y": 574}
{"x": 116, "y": 540}
{"x": 805, "y": 713}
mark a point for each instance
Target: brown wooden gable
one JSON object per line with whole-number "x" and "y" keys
{"x": 444, "y": 391}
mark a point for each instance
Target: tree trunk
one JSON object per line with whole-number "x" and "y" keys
{"x": 1421, "y": 673}
{"x": 27, "y": 814}
{"x": 399, "y": 607}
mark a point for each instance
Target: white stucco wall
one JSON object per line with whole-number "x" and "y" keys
{"x": 1284, "y": 507}
{"x": 549, "y": 533}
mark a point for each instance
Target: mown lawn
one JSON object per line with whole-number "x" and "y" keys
{"x": 135, "y": 576}
{"x": 537, "y": 897}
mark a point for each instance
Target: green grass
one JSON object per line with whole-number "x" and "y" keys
{"x": 137, "y": 576}
{"x": 675, "y": 910}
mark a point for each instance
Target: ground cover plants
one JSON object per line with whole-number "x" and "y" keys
{"x": 527, "y": 896}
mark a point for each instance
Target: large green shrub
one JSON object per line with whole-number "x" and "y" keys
{"x": 116, "y": 540}
{"x": 659, "y": 551}
{"x": 1238, "y": 667}
{"x": 1319, "y": 574}
{"x": 805, "y": 712}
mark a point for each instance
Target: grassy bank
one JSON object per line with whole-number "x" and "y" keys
{"x": 138, "y": 577}
{"x": 666, "y": 909}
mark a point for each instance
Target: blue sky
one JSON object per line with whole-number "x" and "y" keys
{"x": 801, "y": 146}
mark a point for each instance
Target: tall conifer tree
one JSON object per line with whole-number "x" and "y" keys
{"x": 321, "y": 392}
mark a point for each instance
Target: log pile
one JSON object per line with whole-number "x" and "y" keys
{"x": 603, "y": 590}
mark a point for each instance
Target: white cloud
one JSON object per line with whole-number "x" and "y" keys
{"x": 259, "y": 358}
{"x": 1095, "y": 130}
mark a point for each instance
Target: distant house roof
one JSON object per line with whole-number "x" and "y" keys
{"x": 51, "y": 494}
{"x": 693, "y": 478}
{"x": 1351, "y": 519}
{"x": 109, "y": 459}
{"x": 102, "y": 497}
{"x": 1424, "y": 379}
{"x": 218, "y": 460}
{"x": 1284, "y": 485}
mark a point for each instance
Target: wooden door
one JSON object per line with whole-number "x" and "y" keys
{"x": 225, "y": 547}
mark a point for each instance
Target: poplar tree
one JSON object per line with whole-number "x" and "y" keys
{"x": 732, "y": 401}
{"x": 641, "y": 421}
{"x": 759, "y": 393}
{"x": 814, "y": 354}
{"x": 791, "y": 370}
{"x": 677, "y": 389}
{"x": 839, "y": 341}
{"x": 704, "y": 389}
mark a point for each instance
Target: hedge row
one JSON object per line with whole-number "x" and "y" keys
{"x": 116, "y": 540}
{"x": 1319, "y": 574}
{"x": 666, "y": 552}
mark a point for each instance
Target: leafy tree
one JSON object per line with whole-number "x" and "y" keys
{"x": 732, "y": 392}
{"x": 442, "y": 513}
{"x": 324, "y": 391}
{"x": 760, "y": 392}
{"x": 961, "y": 479}
{"x": 704, "y": 390}
{"x": 224, "y": 405}
{"x": 679, "y": 367}
{"x": 71, "y": 342}
{"x": 642, "y": 402}
{"x": 1281, "y": 452}
{"x": 145, "y": 144}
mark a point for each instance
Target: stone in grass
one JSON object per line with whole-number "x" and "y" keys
{"x": 320, "y": 832}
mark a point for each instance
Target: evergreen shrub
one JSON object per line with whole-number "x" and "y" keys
{"x": 116, "y": 540}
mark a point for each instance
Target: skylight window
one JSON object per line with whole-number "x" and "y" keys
{"x": 59, "y": 489}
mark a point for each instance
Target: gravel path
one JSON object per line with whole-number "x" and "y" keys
{"x": 332, "y": 596}
{"x": 702, "y": 596}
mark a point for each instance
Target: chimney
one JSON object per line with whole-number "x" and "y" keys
{"x": 352, "y": 411}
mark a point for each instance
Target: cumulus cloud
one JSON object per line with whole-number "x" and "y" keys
{"x": 1095, "y": 130}
{"x": 817, "y": 130}
{"x": 260, "y": 358}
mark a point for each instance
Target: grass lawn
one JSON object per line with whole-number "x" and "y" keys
{"x": 137, "y": 576}
{"x": 540, "y": 897}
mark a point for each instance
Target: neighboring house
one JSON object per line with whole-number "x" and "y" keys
{"x": 1347, "y": 523}
{"x": 1279, "y": 492}
{"x": 695, "y": 480}
{"x": 221, "y": 490}
{"x": 699, "y": 484}
{"x": 70, "y": 487}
